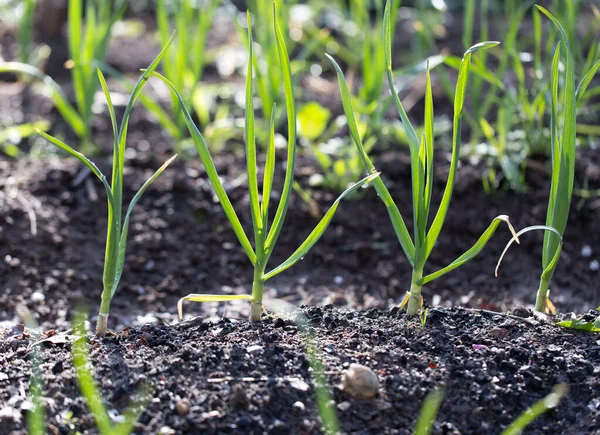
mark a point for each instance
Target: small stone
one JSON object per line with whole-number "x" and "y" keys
{"x": 299, "y": 385}
{"x": 299, "y": 407}
{"x": 586, "y": 251}
{"x": 360, "y": 382}
{"x": 594, "y": 265}
{"x": 37, "y": 297}
{"x": 521, "y": 312}
{"x": 166, "y": 430}
{"x": 344, "y": 406}
{"x": 183, "y": 407}
{"x": 255, "y": 349}
{"x": 338, "y": 280}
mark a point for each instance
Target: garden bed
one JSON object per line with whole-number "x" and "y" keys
{"x": 232, "y": 376}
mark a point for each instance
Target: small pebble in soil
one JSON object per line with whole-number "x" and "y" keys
{"x": 586, "y": 251}
{"x": 255, "y": 349}
{"x": 299, "y": 407}
{"x": 594, "y": 265}
{"x": 183, "y": 407}
{"x": 360, "y": 382}
{"x": 338, "y": 280}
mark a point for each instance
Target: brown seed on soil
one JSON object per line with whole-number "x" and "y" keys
{"x": 360, "y": 382}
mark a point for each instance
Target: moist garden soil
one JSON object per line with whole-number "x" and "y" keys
{"x": 232, "y": 376}
{"x": 52, "y": 235}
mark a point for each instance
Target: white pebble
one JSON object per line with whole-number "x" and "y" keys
{"x": 255, "y": 349}
{"x": 586, "y": 251}
{"x": 594, "y": 265}
{"x": 338, "y": 280}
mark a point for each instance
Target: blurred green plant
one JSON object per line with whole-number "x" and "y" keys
{"x": 265, "y": 238}
{"x": 421, "y": 153}
{"x": 87, "y": 48}
{"x": 91, "y": 393}
{"x": 184, "y": 64}
{"x": 118, "y": 225}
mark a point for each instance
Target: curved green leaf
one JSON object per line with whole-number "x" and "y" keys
{"x": 211, "y": 171}
{"x": 316, "y": 234}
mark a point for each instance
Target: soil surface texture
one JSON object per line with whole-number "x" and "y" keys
{"x": 231, "y": 376}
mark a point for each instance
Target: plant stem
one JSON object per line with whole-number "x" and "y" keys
{"x": 415, "y": 301}
{"x": 102, "y": 323}
{"x": 258, "y": 286}
{"x": 541, "y": 300}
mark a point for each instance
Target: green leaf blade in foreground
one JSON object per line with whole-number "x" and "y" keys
{"x": 318, "y": 231}
{"x": 397, "y": 221}
{"x": 125, "y": 230}
{"x": 429, "y": 411}
{"x": 537, "y": 409}
{"x": 211, "y": 171}
{"x": 474, "y": 250}
{"x": 290, "y": 107}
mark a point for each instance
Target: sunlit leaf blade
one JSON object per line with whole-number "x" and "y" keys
{"x": 558, "y": 213}
{"x": 523, "y": 231}
{"x": 581, "y": 325}
{"x": 454, "y": 62}
{"x": 395, "y": 216}
{"x": 61, "y": 102}
{"x": 316, "y": 234}
{"x": 474, "y": 250}
{"x": 537, "y": 409}
{"x": 83, "y": 159}
{"x": 269, "y": 170}
{"x": 125, "y": 229}
{"x": 587, "y": 79}
{"x": 290, "y": 107}
{"x": 111, "y": 109}
{"x": 257, "y": 221}
{"x": 211, "y": 171}
{"x": 459, "y": 97}
{"x": 198, "y": 297}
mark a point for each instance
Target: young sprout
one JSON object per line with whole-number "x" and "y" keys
{"x": 563, "y": 143}
{"x": 118, "y": 226}
{"x": 421, "y": 153}
{"x": 265, "y": 233}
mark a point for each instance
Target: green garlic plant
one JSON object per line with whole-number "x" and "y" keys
{"x": 118, "y": 225}
{"x": 421, "y": 154}
{"x": 265, "y": 234}
{"x": 563, "y": 146}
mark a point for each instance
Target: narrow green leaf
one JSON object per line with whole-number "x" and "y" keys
{"x": 523, "y": 231}
{"x": 83, "y": 159}
{"x": 269, "y": 171}
{"x": 211, "y": 171}
{"x": 587, "y": 78}
{"x": 537, "y": 409}
{"x": 429, "y": 410}
{"x": 61, "y": 102}
{"x": 397, "y": 221}
{"x": 198, "y": 297}
{"x": 473, "y": 251}
{"x": 316, "y": 234}
{"x": 459, "y": 97}
{"x": 257, "y": 221}
{"x": 290, "y": 107}
{"x": 125, "y": 229}
{"x": 111, "y": 109}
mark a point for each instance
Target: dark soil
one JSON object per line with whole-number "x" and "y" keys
{"x": 232, "y": 376}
